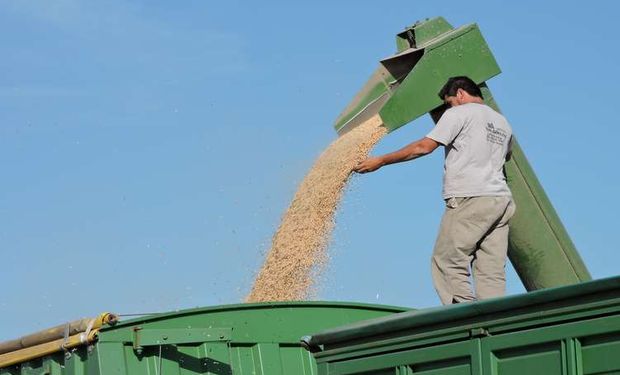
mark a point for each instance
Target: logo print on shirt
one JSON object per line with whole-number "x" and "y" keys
{"x": 494, "y": 135}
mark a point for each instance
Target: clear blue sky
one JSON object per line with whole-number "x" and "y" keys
{"x": 149, "y": 148}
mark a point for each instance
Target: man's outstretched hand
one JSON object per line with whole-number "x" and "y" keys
{"x": 369, "y": 165}
{"x": 412, "y": 151}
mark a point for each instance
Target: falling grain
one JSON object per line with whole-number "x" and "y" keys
{"x": 298, "y": 249}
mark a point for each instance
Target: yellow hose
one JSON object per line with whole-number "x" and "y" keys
{"x": 47, "y": 348}
{"x": 46, "y": 342}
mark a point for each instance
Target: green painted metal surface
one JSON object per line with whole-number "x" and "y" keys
{"x": 430, "y": 52}
{"x": 367, "y": 102}
{"x": 223, "y": 340}
{"x": 421, "y": 33}
{"x": 459, "y": 52}
{"x": 539, "y": 246}
{"x": 567, "y": 330}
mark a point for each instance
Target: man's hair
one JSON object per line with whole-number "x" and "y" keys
{"x": 460, "y": 82}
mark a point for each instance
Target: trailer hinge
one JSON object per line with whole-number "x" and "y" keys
{"x": 479, "y": 332}
{"x": 155, "y": 337}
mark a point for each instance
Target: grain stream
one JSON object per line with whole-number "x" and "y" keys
{"x": 299, "y": 247}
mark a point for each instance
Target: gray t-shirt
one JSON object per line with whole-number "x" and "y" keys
{"x": 476, "y": 140}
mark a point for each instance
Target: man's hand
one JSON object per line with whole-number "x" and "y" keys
{"x": 369, "y": 165}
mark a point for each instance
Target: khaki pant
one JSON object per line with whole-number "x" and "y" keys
{"x": 473, "y": 233}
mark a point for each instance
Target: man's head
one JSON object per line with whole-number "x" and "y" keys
{"x": 460, "y": 90}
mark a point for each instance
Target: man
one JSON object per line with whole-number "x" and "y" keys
{"x": 474, "y": 228}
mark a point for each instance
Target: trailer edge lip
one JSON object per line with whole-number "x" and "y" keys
{"x": 455, "y": 313}
{"x": 252, "y": 306}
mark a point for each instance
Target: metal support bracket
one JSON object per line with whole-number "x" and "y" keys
{"x": 479, "y": 332}
{"x": 155, "y": 337}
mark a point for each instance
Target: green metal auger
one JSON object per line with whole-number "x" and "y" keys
{"x": 405, "y": 86}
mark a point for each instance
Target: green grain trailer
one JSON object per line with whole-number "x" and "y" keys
{"x": 224, "y": 340}
{"x": 571, "y": 330}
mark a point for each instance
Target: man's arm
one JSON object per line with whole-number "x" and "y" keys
{"x": 412, "y": 151}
